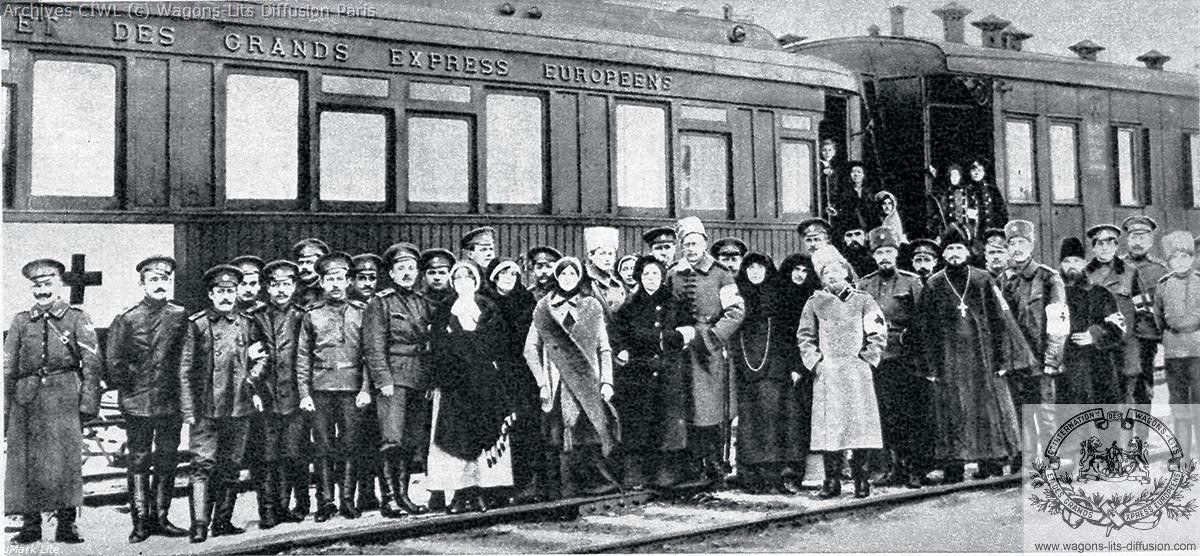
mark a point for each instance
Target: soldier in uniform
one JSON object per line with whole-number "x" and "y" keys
{"x": 222, "y": 361}
{"x": 1037, "y": 297}
{"x": 435, "y": 275}
{"x": 995, "y": 254}
{"x": 249, "y": 302}
{"x": 814, "y": 233}
{"x": 395, "y": 349}
{"x": 285, "y": 427}
{"x": 729, "y": 251}
{"x": 364, "y": 275}
{"x": 542, "y": 259}
{"x": 1177, "y": 310}
{"x": 479, "y": 246}
{"x": 51, "y": 386}
{"x": 925, "y": 256}
{"x": 661, "y": 241}
{"x": 903, "y": 395}
{"x": 1108, "y": 270}
{"x": 1139, "y": 236}
{"x": 249, "y": 290}
{"x": 712, "y": 311}
{"x": 142, "y": 354}
{"x": 306, "y": 252}
{"x": 333, "y": 383}
{"x": 600, "y": 278}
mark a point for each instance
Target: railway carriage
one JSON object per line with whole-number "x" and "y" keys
{"x": 1073, "y": 141}
{"x": 209, "y": 130}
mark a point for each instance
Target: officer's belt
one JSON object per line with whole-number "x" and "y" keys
{"x": 44, "y": 372}
{"x": 406, "y": 349}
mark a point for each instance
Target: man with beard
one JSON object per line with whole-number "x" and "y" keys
{"x": 925, "y": 253}
{"x": 142, "y": 352}
{"x": 365, "y": 274}
{"x": 286, "y": 429}
{"x": 395, "y": 347}
{"x": 249, "y": 290}
{"x": 435, "y": 274}
{"x": 542, "y": 260}
{"x": 709, "y": 298}
{"x": 51, "y": 386}
{"x": 479, "y": 246}
{"x": 1035, "y": 294}
{"x": 903, "y": 396}
{"x": 814, "y": 232}
{"x": 600, "y": 278}
{"x": 857, "y": 253}
{"x": 961, "y": 324}
{"x": 222, "y": 361}
{"x": 1139, "y": 236}
{"x": 1110, "y": 272}
{"x": 729, "y": 251}
{"x": 333, "y": 383}
{"x": 661, "y": 241}
{"x": 306, "y": 252}
{"x": 1177, "y": 309}
{"x": 995, "y": 255}
{"x": 1096, "y": 328}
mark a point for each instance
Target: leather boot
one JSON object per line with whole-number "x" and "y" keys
{"x": 895, "y": 474}
{"x": 268, "y": 514}
{"x": 953, "y": 473}
{"x": 667, "y": 474}
{"x": 66, "y": 531}
{"x": 31, "y": 529}
{"x": 773, "y": 480}
{"x": 139, "y": 507}
{"x": 325, "y": 506}
{"x": 635, "y": 466}
{"x": 566, "y": 474}
{"x": 833, "y": 476}
{"x": 349, "y": 484}
{"x": 458, "y": 503}
{"x": 200, "y": 507}
{"x": 862, "y": 486}
{"x": 914, "y": 477}
{"x": 552, "y": 490}
{"x": 400, "y": 494}
{"x": 283, "y": 492}
{"x": 162, "y": 488}
{"x": 391, "y": 486}
{"x": 367, "y": 501}
{"x": 222, "y": 523}
{"x": 605, "y": 481}
{"x": 437, "y": 500}
{"x": 301, "y": 478}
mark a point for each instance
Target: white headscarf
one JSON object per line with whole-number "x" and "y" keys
{"x": 465, "y": 307}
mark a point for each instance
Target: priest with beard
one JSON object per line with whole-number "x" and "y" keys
{"x": 1096, "y": 329}
{"x": 857, "y": 253}
{"x": 962, "y": 324}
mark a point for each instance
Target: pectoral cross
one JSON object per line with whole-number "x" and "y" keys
{"x": 962, "y": 309}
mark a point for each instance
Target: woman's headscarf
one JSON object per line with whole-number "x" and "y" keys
{"x": 892, "y": 221}
{"x": 563, "y": 263}
{"x": 758, "y": 297}
{"x": 791, "y": 297}
{"x": 621, "y": 261}
{"x": 465, "y": 307}
{"x": 497, "y": 266}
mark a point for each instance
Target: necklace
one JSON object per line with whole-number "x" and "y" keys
{"x": 766, "y": 350}
{"x": 962, "y": 298}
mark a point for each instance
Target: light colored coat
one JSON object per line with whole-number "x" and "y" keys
{"x": 841, "y": 338}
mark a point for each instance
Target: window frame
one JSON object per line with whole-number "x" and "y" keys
{"x": 670, "y": 165}
{"x": 304, "y": 178}
{"x": 1006, "y": 191}
{"x": 424, "y": 207}
{"x": 1139, "y": 165}
{"x": 1074, "y": 124}
{"x": 811, "y": 136}
{"x": 389, "y": 193}
{"x": 481, "y": 155}
{"x": 725, "y": 214}
{"x": 1188, "y": 168}
{"x": 66, "y": 202}
{"x": 10, "y": 146}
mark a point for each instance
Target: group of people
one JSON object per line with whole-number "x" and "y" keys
{"x": 512, "y": 381}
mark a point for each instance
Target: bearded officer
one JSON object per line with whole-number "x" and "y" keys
{"x": 1139, "y": 237}
{"x": 1109, "y": 271}
{"x": 542, "y": 260}
{"x": 661, "y": 241}
{"x": 51, "y": 386}
{"x": 142, "y": 354}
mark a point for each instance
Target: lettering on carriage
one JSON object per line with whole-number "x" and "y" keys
{"x": 283, "y": 47}
{"x": 143, "y": 34}
{"x": 607, "y": 77}
{"x": 447, "y": 62}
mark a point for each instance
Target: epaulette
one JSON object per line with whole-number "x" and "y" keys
{"x": 130, "y": 308}
{"x": 385, "y": 292}
{"x": 1041, "y": 266}
{"x": 258, "y": 307}
{"x": 314, "y": 305}
{"x": 722, "y": 265}
{"x": 1165, "y": 277}
{"x": 197, "y": 316}
{"x": 907, "y": 273}
{"x": 357, "y": 303}
{"x": 174, "y": 303}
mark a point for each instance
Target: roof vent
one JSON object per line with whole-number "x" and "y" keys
{"x": 897, "y": 13}
{"x": 1014, "y": 39}
{"x": 989, "y": 31}
{"x": 952, "y": 15}
{"x": 873, "y": 30}
{"x": 688, "y": 11}
{"x": 1154, "y": 59}
{"x": 1086, "y": 50}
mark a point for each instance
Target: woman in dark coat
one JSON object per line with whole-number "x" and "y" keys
{"x": 515, "y": 303}
{"x": 761, "y": 385}
{"x": 638, "y": 329}
{"x": 797, "y": 283}
{"x": 472, "y": 416}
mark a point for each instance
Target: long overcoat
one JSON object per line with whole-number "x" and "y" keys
{"x": 143, "y": 354}
{"x": 51, "y": 376}
{"x": 841, "y": 338}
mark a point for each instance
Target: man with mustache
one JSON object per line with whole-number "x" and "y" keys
{"x": 249, "y": 290}
{"x": 142, "y": 354}
{"x": 995, "y": 255}
{"x": 249, "y": 302}
{"x": 223, "y": 359}
{"x": 856, "y": 252}
{"x": 435, "y": 267}
{"x": 1139, "y": 229}
{"x": 661, "y": 241}
{"x": 365, "y": 279}
{"x": 306, "y": 252}
{"x": 1111, "y": 272}
{"x": 365, "y": 274}
{"x": 729, "y": 251}
{"x": 1177, "y": 309}
{"x": 333, "y": 383}
{"x": 542, "y": 260}
{"x": 600, "y": 275}
{"x": 51, "y": 385}
{"x": 1096, "y": 328}
{"x": 925, "y": 255}
{"x": 814, "y": 232}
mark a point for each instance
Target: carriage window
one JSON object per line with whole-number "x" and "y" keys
{"x": 704, "y": 171}
{"x": 439, "y": 91}
{"x": 641, "y": 156}
{"x": 795, "y": 177}
{"x": 353, "y": 157}
{"x": 515, "y": 161}
{"x": 1020, "y": 147}
{"x": 74, "y": 129}
{"x": 261, "y": 137}
{"x": 1191, "y": 152}
{"x": 703, "y": 113}
{"x": 439, "y": 160}
{"x": 797, "y": 122}
{"x": 358, "y": 86}
{"x": 1125, "y": 160}
{"x": 1063, "y": 169}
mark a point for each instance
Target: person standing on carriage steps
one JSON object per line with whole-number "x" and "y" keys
{"x": 1139, "y": 237}
{"x": 51, "y": 386}
{"x": 306, "y": 252}
{"x": 334, "y": 383}
{"x": 222, "y": 361}
{"x": 142, "y": 353}
{"x": 396, "y": 350}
